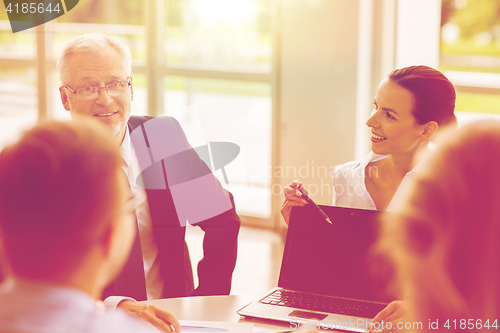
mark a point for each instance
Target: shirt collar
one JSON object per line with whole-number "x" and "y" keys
{"x": 50, "y": 293}
{"x": 371, "y": 157}
{"x": 126, "y": 148}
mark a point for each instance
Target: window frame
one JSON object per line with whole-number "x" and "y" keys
{"x": 156, "y": 69}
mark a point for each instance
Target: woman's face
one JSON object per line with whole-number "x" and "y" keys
{"x": 393, "y": 126}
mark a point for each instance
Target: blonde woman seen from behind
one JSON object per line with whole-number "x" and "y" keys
{"x": 444, "y": 240}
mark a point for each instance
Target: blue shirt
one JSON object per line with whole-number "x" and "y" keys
{"x": 27, "y": 306}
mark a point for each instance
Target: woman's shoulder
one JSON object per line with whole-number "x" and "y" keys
{"x": 348, "y": 166}
{"x": 347, "y": 171}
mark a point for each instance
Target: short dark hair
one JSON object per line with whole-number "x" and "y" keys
{"x": 433, "y": 94}
{"x": 58, "y": 193}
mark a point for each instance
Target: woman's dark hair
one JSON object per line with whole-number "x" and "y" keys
{"x": 434, "y": 95}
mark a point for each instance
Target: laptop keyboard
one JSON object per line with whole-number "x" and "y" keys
{"x": 323, "y": 303}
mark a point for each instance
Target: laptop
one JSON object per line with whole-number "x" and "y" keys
{"x": 330, "y": 274}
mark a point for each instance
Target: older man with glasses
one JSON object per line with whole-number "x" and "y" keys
{"x": 95, "y": 73}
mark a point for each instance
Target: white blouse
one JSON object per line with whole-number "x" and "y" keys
{"x": 349, "y": 188}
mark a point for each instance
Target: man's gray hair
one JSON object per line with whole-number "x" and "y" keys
{"x": 91, "y": 43}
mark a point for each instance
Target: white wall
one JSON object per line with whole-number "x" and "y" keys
{"x": 318, "y": 91}
{"x": 418, "y": 33}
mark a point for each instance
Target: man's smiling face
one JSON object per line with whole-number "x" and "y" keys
{"x": 99, "y": 69}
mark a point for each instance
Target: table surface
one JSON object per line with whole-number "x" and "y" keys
{"x": 217, "y": 308}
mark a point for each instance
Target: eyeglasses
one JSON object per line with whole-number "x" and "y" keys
{"x": 115, "y": 88}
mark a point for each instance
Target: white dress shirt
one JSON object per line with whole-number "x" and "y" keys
{"x": 154, "y": 285}
{"x": 349, "y": 188}
{"x": 29, "y": 307}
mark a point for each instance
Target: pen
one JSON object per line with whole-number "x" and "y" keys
{"x": 306, "y": 197}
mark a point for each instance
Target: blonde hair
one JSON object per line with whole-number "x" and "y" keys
{"x": 445, "y": 238}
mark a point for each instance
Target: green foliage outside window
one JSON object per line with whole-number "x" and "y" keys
{"x": 475, "y": 48}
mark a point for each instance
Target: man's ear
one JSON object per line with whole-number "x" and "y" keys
{"x": 107, "y": 240}
{"x": 109, "y": 251}
{"x": 64, "y": 98}
{"x": 131, "y": 89}
{"x": 429, "y": 130}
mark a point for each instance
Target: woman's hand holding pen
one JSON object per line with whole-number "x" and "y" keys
{"x": 292, "y": 199}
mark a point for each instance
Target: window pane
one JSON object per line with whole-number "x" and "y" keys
{"x": 108, "y": 12}
{"x": 470, "y": 42}
{"x": 18, "y": 45}
{"x": 483, "y": 103}
{"x": 111, "y": 17}
{"x": 229, "y": 111}
{"x": 18, "y": 102}
{"x": 140, "y": 102}
{"x": 232, "y": 33}
{"x": 133, "y": 36}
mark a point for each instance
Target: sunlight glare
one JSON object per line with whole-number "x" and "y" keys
{"x": 235, "y": 11}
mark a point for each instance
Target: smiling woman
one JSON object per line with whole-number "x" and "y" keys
{"x": 394, "y": 128}
{"x": 411, "y": 104}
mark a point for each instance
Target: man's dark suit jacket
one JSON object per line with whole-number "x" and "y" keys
{"x": 220, "y": 241}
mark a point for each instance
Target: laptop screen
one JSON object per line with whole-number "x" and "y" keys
{"x": 336, "y": 259}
